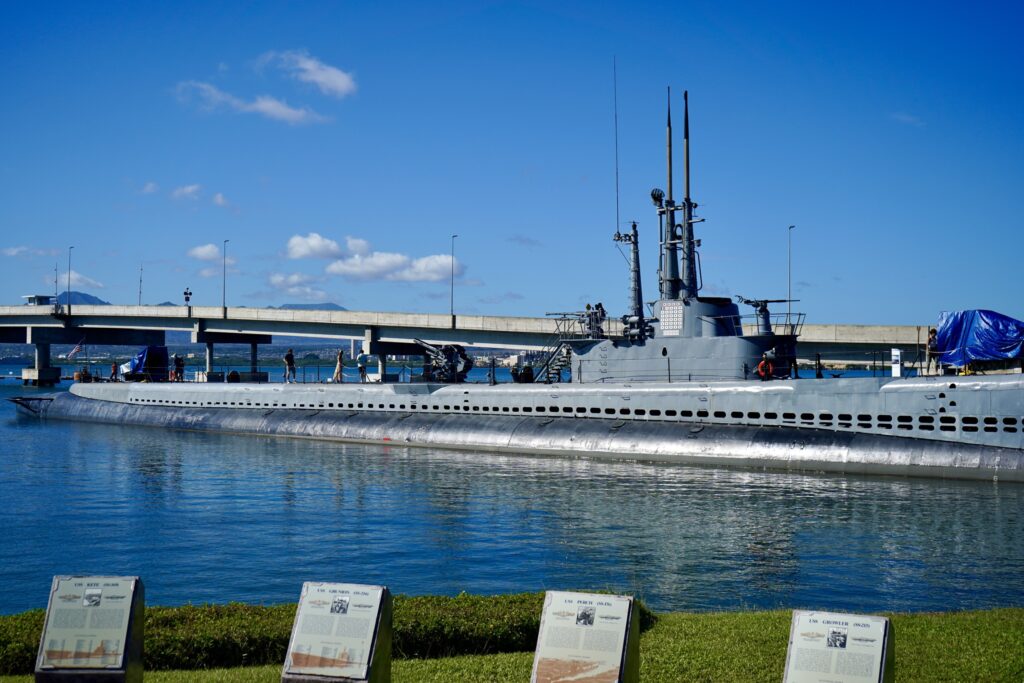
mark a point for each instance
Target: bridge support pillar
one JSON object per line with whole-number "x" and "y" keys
{"x": 42, "y": 375}
{"x": 382, "y": 365}
{"x": 253, "y": 357}
{"x": 209, "y": 357}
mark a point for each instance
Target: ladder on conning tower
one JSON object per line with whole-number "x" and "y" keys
{"x": 558, "y": 354}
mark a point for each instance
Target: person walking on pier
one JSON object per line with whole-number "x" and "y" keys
{"x": 289, "y": 367}
{"x": 338, "y": 374}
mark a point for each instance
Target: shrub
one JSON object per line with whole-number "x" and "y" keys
{"x": 222, "y": 636}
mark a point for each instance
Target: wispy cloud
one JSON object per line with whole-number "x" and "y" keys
{"x": 906, "y": 119}
{"x": 524, "y": 241}
{"x": 77, "y": 280}
{"x": 301, "y": 66}
{"x": 220, "y": 200}
{"x": 28, "y": 251}
{"x": 297, "y": 285}
{"x": 186, "y": 192}
{"x": 149, "y": 188}
{"x": 313, "y": 245}
{"x": 502, "y": 298}
{"x": 211, "y": 98}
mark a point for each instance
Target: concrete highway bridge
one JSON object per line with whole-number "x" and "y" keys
{"x": 380, "y": 333}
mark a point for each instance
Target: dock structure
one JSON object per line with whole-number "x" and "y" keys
{"x": 380, "y": 333}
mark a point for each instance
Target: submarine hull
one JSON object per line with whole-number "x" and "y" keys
{"x": 762, "y": 447}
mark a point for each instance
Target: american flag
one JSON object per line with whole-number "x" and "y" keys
{"x": 77, "y": 350}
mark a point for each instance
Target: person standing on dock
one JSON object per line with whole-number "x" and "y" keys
{"x": 289, "y": 367}
{"x": 933, "y": 350}
{"x": 339, "y": 367}
{"x": 361, "y": 360}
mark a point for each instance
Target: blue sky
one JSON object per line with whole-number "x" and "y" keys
{"x": 339, "y": 145}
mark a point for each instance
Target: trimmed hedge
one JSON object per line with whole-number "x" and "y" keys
{"x": 224, "y": 636}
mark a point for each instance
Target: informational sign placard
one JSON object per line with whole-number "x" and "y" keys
{"x": 93, "y": 623}
{"x": 587, "y": 637}
{"x": 839, "y": 648}
{"x": 341, "y": 630}
{"x": 897, "y": 363}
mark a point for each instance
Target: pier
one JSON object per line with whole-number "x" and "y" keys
{"x": 381, "y": 333}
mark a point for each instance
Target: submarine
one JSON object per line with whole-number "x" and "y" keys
{"x": 689, "y": 381}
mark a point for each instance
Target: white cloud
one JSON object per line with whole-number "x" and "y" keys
{"x": 211, "y": 97}
{"x": 149, "y": 188}
{"x": 297, "y": 285}
{"x": 365, "y": 264}
{"x": 303, "y": 67}
{"x": 205, "y": 252}
{"x": 428, "y": 269}
{"x": 356, "y": 245}
{"x": 15, "y": 251}
{"x": 77, "y": 280}
{"x": 312, "y": 245}
{"x": 220, "y": 200}
{"x": 209, "y": 272}
{"x": 374, "y": 266}
{"x": 186, "y": 192}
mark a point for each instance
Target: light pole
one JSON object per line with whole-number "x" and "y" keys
{"x": 452, "y": 308}
{"x": 69, "y": 279}
{"x": 789, "y": 280}
{"x": 224, "y": 279}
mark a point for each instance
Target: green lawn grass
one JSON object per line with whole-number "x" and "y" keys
{"x": 730, "y": 646}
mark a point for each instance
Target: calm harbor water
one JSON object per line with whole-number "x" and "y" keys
{"x": 213, "y": 518}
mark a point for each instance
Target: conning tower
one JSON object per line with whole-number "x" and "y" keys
{"x": 689, "y": 337}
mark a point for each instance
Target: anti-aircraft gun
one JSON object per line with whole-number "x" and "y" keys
{"x": 764, "y": 317}
{"x": 445, "y": 363}
{"x": 784, "y": 353}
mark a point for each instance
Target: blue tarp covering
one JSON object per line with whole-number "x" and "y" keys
{"x": 967, "y": 336}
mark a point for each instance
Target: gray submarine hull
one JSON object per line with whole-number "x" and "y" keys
{"x": 760, "y": 447}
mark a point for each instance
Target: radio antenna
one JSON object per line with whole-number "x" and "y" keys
{"x": 615, "y": 99}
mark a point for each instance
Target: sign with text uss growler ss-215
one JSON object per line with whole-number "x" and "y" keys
{"x": 587, "y": 637}
{"x": 839, "y": 648}
{"x": 93, "y": 630}
{"x": 342, "y": 631}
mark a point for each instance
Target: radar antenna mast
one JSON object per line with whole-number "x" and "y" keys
{"x": 669, "y": 276}
{"x": 689, "y": 285}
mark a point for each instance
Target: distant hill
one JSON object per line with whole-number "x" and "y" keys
{"x": 166, "y": 303}
{"x": 81, "y": 298}
{"x": 312, "y": 307}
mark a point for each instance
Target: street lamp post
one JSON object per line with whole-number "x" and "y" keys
{"x": 69, "y": 279}
{"x": 789, "y": 280}
{"x": 452, "y": 307}
{"x": 224, "y": 279}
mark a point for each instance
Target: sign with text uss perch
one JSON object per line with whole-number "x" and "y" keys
{"x": 839, "y": 648}
{"x": 342, "y": 631}
{"x": 587, "y": 637}
{"x": 93, "y": 630}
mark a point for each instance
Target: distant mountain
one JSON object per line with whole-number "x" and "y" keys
{"x": 81, "y": 298}
{"x": 166, "y": 303}
{"x": 312, "y": 307}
